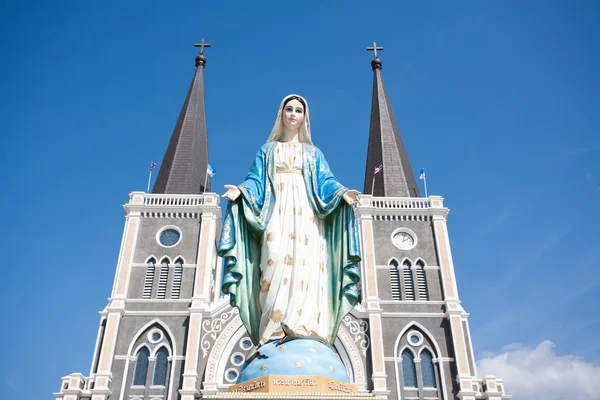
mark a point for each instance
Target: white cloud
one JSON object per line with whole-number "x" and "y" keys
{"x": 542, "y": 374}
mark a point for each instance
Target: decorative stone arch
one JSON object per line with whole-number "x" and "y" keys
{"x": 234, "y": 331}
{"x": 410, "y": 349}
{"x": 176, "y": 258}
{"x": 162, "y": 260}
{"x": 150, "y": 258}
{"x": 130, "y": 355}
{"x": 437, "y": 353}
{"x": 392, "y": 259}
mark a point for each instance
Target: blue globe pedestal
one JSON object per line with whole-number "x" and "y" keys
{"x": 300, "y": 365}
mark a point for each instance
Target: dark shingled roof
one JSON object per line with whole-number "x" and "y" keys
{"x": 386, "y": 148}
{"x": 183, "y": 169}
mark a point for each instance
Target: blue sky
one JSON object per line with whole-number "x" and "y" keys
{"x": 497, "y": 100}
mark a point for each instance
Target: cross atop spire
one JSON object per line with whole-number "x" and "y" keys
{"x": 200, "y": 58}
{"x": 374, "y": 49}
{"x": 202, "y": 45}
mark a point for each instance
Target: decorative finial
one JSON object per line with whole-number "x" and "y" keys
{"x": 376, "y": 62}
{"x": 200, "y": 59}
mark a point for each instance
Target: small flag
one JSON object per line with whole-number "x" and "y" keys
{"x": 378, "y": 169}
{"x": 422, "y": 176}
{"x": 152, "y": 166}
{"x": 210, "y": 171}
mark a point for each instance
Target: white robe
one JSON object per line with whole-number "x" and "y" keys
{"x": 294, "y": 287}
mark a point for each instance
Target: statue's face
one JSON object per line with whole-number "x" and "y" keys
{"x": 293, "y": 115}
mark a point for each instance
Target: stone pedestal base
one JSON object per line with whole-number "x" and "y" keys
{"x": 294, "y": 384}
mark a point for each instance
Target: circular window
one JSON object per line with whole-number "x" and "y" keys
{"x": 415, "y": 338}
{"x": 169, "y": 236}
{"x": 155, "y": 336}
{"x": 246, "y": 343}
{"x": 237, "y": 359}
{"x": 231, "y": 374}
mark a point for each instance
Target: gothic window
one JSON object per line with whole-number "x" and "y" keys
{"x": 394, "y": 280}
{"x": 177, "y": 276}
{"x": 149, "y": 279}
{"x": 427, "y": 370}
{"x": 421, "y": 280}
{"x": 161, "y": 367}
{"x": 409, "y": 288}
{"x": 409, "y": 373}
{"x": 141, "y": 367}
{"x": 163, "y": 278}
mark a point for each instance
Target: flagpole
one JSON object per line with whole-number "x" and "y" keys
{"x": 425, "y": 184}
{"x": 205, "y": 180}
{"x": 373, "y": 186}
{"x": 149, "y": 179}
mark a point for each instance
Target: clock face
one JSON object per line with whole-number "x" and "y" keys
{"x": 403, "y": 240}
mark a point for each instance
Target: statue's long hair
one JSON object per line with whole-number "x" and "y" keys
{"x": 304, "y": 133}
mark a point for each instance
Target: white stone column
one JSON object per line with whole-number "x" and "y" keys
{"x": 201, "y": 298}
{"x": 371, "y": 297}
{"x": 115, "y": 309}
{"x": 454, "y": 311}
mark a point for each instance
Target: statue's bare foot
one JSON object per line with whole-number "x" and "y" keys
{"x": 288, "y": 335}
{"x": 255, "y": 354}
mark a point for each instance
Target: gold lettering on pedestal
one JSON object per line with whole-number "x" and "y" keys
{"x": 250, "y": 386}
{"x": 339, "y": 387}
{"x": 295, "y": 382}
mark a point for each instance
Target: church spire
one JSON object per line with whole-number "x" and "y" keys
{"x": 385, "y": 145}
{"x": 184, "y": 167}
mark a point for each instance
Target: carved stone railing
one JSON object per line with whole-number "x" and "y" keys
{"x": 173, "y": 205}
{"x": 404, "y": 207}
{"x": 174, "y": 199}
{"x": 400, "y": 202}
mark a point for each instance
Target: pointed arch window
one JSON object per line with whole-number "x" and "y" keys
{"x": 177, "y": 277}
{"x": 427, "y": 370}
{"x": 141, "y": 367}
{"x": 395, "y": 280}
{"x": 409, "y": 373}
{"x": 149, "y": 279}
{"x": 409, "y": 287}
{"x": 421, "y": 280}
{"x": 163, "y": 278}
{"x": 161, "y": 368}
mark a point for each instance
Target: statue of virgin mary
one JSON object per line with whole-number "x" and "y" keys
{"x": 290, "y": 237}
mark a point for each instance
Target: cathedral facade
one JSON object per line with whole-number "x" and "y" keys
{"x": 167, "y": 332}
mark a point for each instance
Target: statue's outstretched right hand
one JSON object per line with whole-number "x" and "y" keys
{"x": 232, "y": 192}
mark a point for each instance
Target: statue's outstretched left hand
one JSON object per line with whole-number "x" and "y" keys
{"x": 351, "y": 197}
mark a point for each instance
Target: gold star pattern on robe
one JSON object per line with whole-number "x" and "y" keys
{"x": 298, "y": 364}
{"x": 277, "y": 316}
{"x": 299, "y": 311}
{"x": 299, "y": 211}
{"x": 263, "y": 367}
{"x": 282, "y": 348}
{"x": 289, "y": 260}
{"x": 271, "y": 236}
{"x": 265, "y": 285}
{"x": 292, "y": 236}
{"x": 285, "y": 281}
{"x": 270, "y": 262}
{"x": 312, "y": 219}
{"x": 322, "y": 265}
{"x": 305, "y": 240}
{"x": 303, "y": 285}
